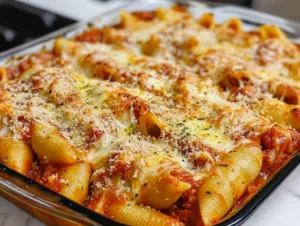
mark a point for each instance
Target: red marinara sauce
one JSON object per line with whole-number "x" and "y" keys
{"x": 51, "y": 178}
{"x": 40, "y": 58}
{"x": 186, "y": 209}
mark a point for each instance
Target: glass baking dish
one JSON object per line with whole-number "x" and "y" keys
{"x": 52, "y": 208}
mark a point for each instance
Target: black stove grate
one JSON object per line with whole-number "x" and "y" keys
{"x": 21, "y": 23}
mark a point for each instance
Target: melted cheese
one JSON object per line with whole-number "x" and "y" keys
{"x": 209, "y": 135}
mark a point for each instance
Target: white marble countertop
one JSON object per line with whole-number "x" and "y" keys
{"x": 282, "y": 208}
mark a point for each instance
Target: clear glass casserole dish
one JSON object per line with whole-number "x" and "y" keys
{"x": 54, "y": 209}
